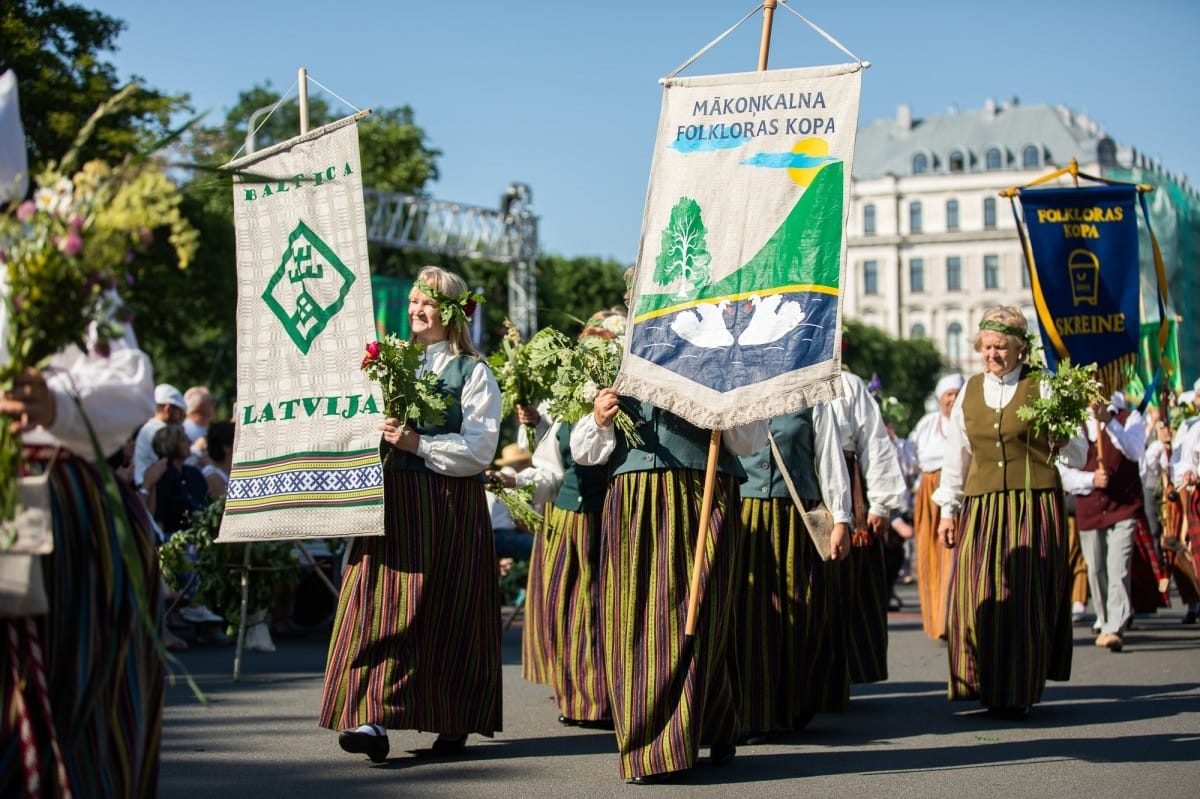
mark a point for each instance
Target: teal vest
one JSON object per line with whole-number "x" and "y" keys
{"x": 795, "y": 438}
{"x": 583, "y": 487}
{"x": 669, "y": 442}
{"x": 450, "y": 383}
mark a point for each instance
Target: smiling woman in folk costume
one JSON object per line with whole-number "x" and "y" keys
{"x": 933, "y": 560}
{"x": 668, "y": 696}
{"x": 1009, "y": 625}
{"x": 416, "y": 638}
{"x": 783, "y": 604}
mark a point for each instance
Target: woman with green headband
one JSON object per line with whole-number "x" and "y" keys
{"x": 1009, "y": 625}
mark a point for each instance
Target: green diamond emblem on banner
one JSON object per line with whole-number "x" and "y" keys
{"x": 309, "y": 287}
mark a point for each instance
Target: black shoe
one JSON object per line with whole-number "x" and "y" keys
{"x": 566, "y": 722}
{"x": 447, "y": 745}
{"x": 1009, "y": 713}
{"x": 596, "y": 724}
{"x": 755, "y": 737}
{"x": 1189, "y": 617}
{"x": 801, "y": 720}
{"x": 658, "y": 779}
{"x": 721, "y": 754}
{"x": 361, "y": 743}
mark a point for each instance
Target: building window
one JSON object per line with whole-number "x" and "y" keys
{"x": 954, "y": 343}
{"x": 1029, "y": 157}
{"x": 914, "y": 217}
{"x": 917, "y": 331}
{"x": 958, "y": 163}
{"x": 954, "y": 273}
{"x": 869, "y": 219}
{"x": 870, "y": 277}
{"x": 920, "y": 164}
{"x": 993, "y": 159}
{"x": 916, "y": 275}
{"x": 951, "y": 214}
{"x": 991, "y": 271}
{"x": 989, "y": 213}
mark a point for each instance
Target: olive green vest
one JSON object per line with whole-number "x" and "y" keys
{"x": 1004, "y": 448}
{"x": 450, "y": 383}
{"x": 795, "y": 439}
{"x": 669, "y": 442}
{"x": 583, "y": 487}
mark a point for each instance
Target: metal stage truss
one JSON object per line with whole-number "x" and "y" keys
{"x": 506, "y": 235}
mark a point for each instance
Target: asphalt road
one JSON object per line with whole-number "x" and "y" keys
{"x": 1126, "y": 726}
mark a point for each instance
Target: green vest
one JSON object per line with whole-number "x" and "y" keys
{"x": 450, "y": 383}
{"x": 669, "y": 442}
{"x": 583, "y": 487}
{"x": 1003, "y": 447}
{"x": 794, "y": 436}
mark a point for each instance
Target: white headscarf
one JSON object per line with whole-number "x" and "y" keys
{"x": 952, "y": 382}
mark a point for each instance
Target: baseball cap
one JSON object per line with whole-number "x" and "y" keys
{"x": 166, "y": 394}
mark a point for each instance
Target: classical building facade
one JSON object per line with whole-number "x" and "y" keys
{"x": 931, "y": 241}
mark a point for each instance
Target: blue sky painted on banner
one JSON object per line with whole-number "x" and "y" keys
{"x": 565, "y": 96}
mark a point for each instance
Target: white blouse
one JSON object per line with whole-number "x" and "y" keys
{"x": 469, "y": 451}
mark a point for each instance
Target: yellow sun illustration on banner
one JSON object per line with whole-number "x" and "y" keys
{"x": 817, "y": 150}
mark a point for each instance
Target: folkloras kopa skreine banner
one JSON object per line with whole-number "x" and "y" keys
{"x": 735, "y": 310}
{"x": 306, "y": 460}
{"x": 1082, "y": 248}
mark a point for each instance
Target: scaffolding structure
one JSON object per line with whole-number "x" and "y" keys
{"x": 507, "y": 235}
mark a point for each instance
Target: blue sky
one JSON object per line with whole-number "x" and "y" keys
{"x": 564, "y": 96}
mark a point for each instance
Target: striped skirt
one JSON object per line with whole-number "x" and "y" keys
{"x": 1010, "y": 598}
{"x": 535, "y": 638}
{"x": 933, "y": 558}
{"x": 571, "y": 613}
{"x": 667, "y": 695}
{"x": 416, "y": 636}
{"x": 782, "y": 613}
{"x": 99, "y": 645}
{"x": 1147, "y": 576}
{"x": 865, "y": 591}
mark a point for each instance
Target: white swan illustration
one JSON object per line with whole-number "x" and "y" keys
{"x": 771, "y": 321}
{"x": 706, "y": 328}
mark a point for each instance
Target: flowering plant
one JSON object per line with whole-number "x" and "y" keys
{"x": 520, "y": 383}
{"x": 581, "y": 369}
{"x": 450, "y": 308}
{"x": 519, "y": 501}
{"x": 63, "y": 254}
{"x": 412, "y": 396}
{"x": 1071, "y": 392}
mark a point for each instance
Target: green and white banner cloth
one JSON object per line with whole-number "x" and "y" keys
{"x": 736, "y": 305}
{"x": 306, "y": 458}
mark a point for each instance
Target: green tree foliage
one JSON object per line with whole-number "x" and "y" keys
{"x": 54, "y": 49}
{"x": 684, "y": 255}
{"x": 908, "y": 368}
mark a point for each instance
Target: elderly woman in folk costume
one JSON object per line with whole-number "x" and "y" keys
{"x": 1009, "y": 624}
{"x": 416, "y": 637}
{"x": 877, "y": 487}
{"x": 933, "y": 560}
{"x": 786, "y": 591}
{"x": 564, "y": 584}
{"x": 668, "y": 695}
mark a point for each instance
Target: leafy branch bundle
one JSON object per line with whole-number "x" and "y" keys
{"x": 1071, "y": 392}
{"x": 520, "y": 382}
{"x": 519, "y": 502}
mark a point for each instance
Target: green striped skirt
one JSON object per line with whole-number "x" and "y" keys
{"x": 535, "y": 639}
{"x": 99, "y": 644}
{"x": 572, "y": 613}
{"x": 782, "y": 614}
{"x": 416, "y": 636}
{"x": 1009, "y": 620}
{"x": 668, "y": 695}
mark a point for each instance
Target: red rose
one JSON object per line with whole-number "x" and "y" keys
{"x": 372, "y": 354}
{"x": 469, "y": 308}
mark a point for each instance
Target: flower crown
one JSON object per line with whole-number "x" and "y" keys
{"x": 1031, "y": 344}
{"x": 450, "y": 308}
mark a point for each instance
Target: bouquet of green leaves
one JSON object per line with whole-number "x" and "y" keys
{"x": 520, "y": 383}
{"x": 581, "y": 369}
{"x": 1062, "y": 412}
{"x": 409, "y": 395}
{"x": 519, "y": 501}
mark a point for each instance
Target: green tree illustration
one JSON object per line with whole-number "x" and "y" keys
{"x": 684, "y": 255}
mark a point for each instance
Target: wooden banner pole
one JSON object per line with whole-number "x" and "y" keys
{"x": 714, "y": 443}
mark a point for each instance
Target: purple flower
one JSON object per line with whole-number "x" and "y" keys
{"x": 26, "y": 211}
{"x": 876, "y": 385}
{"x": 71, "y": 244}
